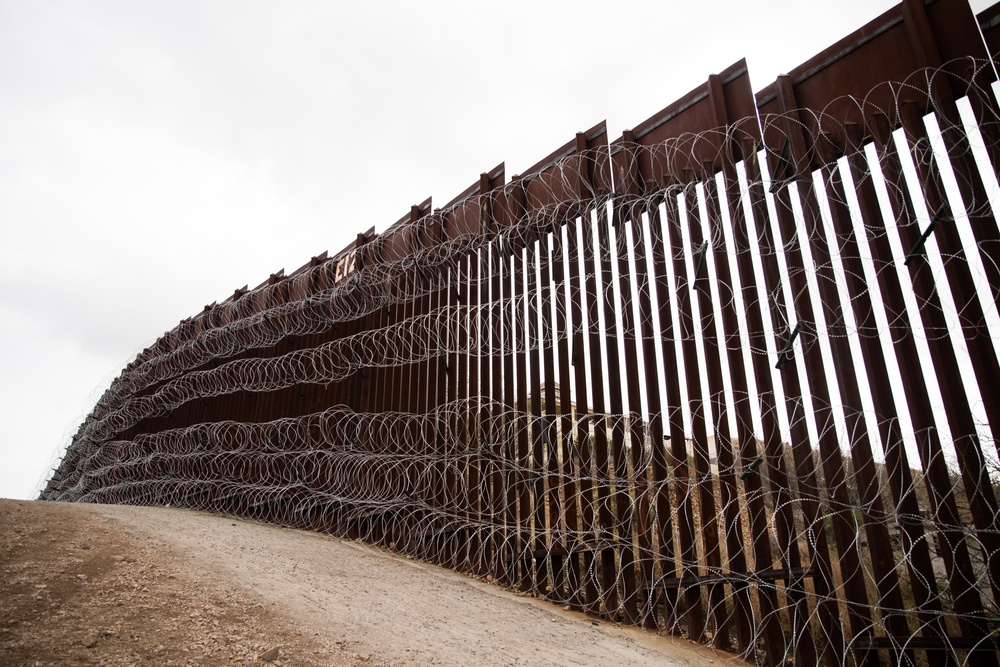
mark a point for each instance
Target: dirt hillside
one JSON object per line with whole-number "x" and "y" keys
{"x": 116, "y": 585}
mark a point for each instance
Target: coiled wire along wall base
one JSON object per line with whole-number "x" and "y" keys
{"x": 729, "y": 376}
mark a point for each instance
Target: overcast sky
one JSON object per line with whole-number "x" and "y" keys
{"x": 156, "y": 155}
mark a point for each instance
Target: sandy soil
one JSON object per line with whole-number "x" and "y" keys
{"x": 117, "y": 585}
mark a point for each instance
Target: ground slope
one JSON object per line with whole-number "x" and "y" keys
{"x": 117, "y": 585}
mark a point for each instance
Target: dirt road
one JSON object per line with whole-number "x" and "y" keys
{"x": 117, "y": 585}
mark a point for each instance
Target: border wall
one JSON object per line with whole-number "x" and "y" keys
{"x": 732, "y": 375}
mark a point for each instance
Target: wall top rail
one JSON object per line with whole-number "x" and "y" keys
{"x": 703, "y": 130}
{"x": 870, "y": 72}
